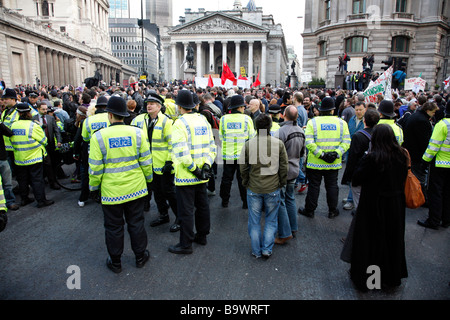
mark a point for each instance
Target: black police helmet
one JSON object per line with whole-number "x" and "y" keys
{"x": 386, "y": 108}
{"x": 185, "y": 99}
{"x": 236, "y": 102}
{"x": 327, "y": 104}
{"x": 118, "y": 106}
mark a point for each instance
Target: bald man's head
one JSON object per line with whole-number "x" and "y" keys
{"x": 290, "y": 113}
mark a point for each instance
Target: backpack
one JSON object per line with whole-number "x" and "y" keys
{"x": 215, "y": 120}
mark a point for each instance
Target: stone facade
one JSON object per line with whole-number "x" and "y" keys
{"x": 58, "y": 43}
{"x": 241, "y": 37}
{"x": 417, "y": 31}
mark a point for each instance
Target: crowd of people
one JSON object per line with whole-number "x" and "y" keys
{"x": 167, "y": 141}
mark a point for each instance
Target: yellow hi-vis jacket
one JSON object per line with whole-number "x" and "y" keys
{"x": 397, "y": 130}
{"x": 326, "y": 134}
{"x": 29, "y": 142}
{"x": 192, "y": 146}
{"x": 439, "y": 144}
{"x": 8, "y": 120}
{"x": 3, "y": 206}
{"x": 235, "y": 129}
{"x": 161, "y": 144}
{"x": 120, "y": 164}
{"x": 93, "y": 123}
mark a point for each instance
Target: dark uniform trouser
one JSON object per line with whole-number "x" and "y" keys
{"x": 31, "y": 175}
{"x": 438, "y": 195}
{"x": 192, "y": 205}
{"x": 331, "y": 187}
{"x": 49, "y": 166}
{"x": 227, "y": 179}
{"x": 163, "y": 187}
{"x": 114, "y": 227}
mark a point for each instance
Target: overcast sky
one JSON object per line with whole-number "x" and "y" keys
{"x": 285, "y": 12}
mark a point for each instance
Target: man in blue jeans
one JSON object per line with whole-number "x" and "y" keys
{"x": 293, "y": 138}
{"x": 264, "y": 166}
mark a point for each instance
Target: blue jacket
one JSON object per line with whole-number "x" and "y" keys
{"x": 352, "y": 127}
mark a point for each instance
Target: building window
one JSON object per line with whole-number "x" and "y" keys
{"x": 45, "y": 11}
{"x": 322, "y": 49}
{"x": 400, "y": 6}
{"x": 327, "y": 9}
{"x": 359, "y": 6}
{"x": 356, "y": 44}
{"x": 400, "y": 44}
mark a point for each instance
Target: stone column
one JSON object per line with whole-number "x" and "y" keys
{"x": 56, "y": 68}
{"x": 199, "y": 59}
{"x": 66, "y": 69}
{"x": 51, "y": 79}
{"x": 211, "y": 57}
{"x": 43, "y": 66}
{"x": 238, "y": 58}
{"x": 166, "y": 62}
{"x": 224, "y": 51}
{"x": 62, "y": 80}
{"x": 174, "y": 60}
{"x": 250, "y": 60}
{"x": 262, "y": 76}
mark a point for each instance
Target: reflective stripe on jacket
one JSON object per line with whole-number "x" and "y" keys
{"x": 235, "y": 130}
{"x": 8, "y": 120}
{"x": 93, "y": 123}
{"x": 326, "y": 134}
{"x": 29, "y": 142}
{"x": 120, "y": 163}
{"x": 192, "y": 146}
{"x": 161, "y": 144}
{"x": 439, "y": 144}
{"x": 397, "y": 130}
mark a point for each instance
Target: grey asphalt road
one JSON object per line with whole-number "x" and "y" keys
{"x": 40, "y": 248}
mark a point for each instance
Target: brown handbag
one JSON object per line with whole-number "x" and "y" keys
{"x": 413, "y": 190}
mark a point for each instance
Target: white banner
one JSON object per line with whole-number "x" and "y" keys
{"x": 415, "y": 84}
{"x": 381, "y": 85}
{"x": 203, "y": 83}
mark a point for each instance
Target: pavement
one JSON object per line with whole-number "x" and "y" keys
{"x": 59, "y": 253}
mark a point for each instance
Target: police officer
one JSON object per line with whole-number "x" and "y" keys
{"x": 438, "y": 156}
{"x": 235, "y": 128}
{"x": 387, "y": 115}
{"x": 193, "y": 151}
{"x": 9, "y": 116}
{"x": 29, "y": 141}
{"x": 32, "y": 102}
{"x": 327, "y": 139}
{"x": 158, "y": 126}
{"x": 91, "y": 124}
{"x": 120, "y": 164}
{"x": 3, "y": 208}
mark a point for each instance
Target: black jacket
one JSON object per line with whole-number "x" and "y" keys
{"x": 359, "y": 145}
{"x": 417, "y": 133}
{"x": 4, "y": 131}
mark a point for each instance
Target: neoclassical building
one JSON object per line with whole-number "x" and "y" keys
{"x": 58, "y": 42}
{"x": 415, "y": 30}
{"x": 245, "y": 38}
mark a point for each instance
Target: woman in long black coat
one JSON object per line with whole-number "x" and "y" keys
{"x": 380, "y": 218}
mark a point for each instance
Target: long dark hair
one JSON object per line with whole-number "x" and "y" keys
{"x": 385, "y": 149}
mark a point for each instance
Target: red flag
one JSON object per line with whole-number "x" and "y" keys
{"x": 227, "y": 74}
{"x": 210, "y": 82}
{"x": 257, "y": 82}
{"x": 242, "y": 78}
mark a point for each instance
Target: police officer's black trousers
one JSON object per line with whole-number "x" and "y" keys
{"x": 114, "y": 227}
{"x": 227, "y": 179}
{"x": 193, "y": 209}
{"x": 31, "y": 175}
{"x": 438, "y": 195}
{"x": 163, "y": 187}
{"x": 331, "y": 186}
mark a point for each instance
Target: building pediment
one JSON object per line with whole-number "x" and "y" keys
{"x": 218, "y": 23}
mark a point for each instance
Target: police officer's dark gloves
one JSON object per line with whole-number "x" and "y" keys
{"x": 206, "y": 172}
{"x": 168, "y": 167}
{"x": 3, "y": 220}
{"x": 329, "y": 157}
{"x": 197, "y": 173}
{"x": 424, "y": 165}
